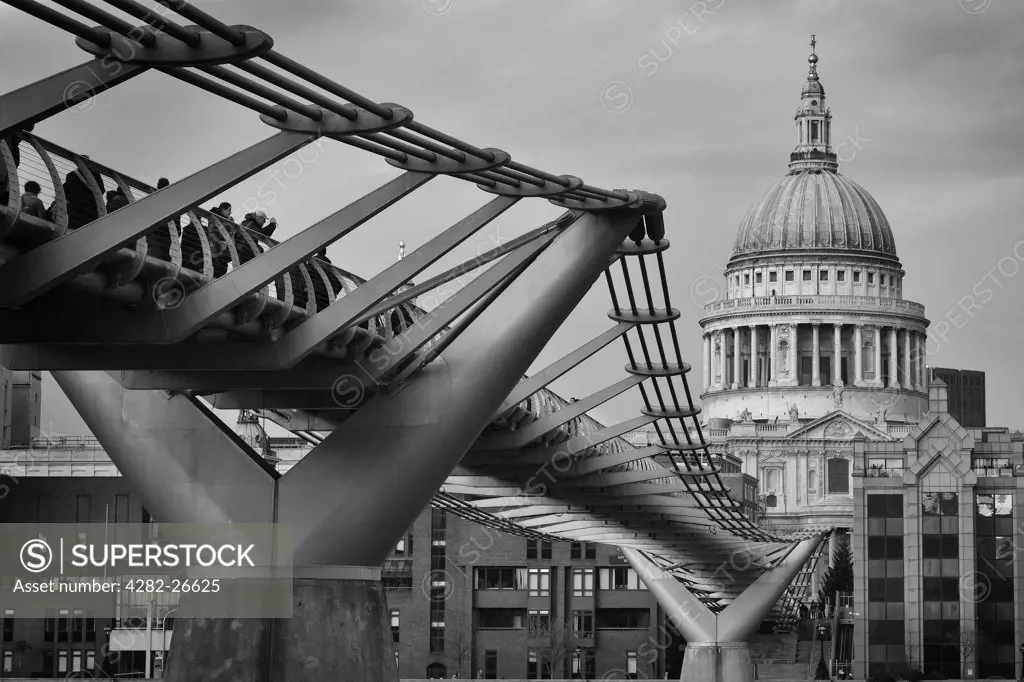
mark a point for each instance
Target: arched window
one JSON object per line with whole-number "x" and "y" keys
{"x": 784, "y": 356}
{"x": 814, "y": 131}
{"x": 869, "y": 360}
{"x": 436, "y": 671}
{"x": 812, "y": 482}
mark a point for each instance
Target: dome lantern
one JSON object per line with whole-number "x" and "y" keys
{"x": 814, "y": 125}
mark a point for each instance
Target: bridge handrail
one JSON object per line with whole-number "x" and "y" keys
{"x": 42, "y": 157}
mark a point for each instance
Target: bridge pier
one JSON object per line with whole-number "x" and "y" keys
{"x": 353, "y": 496}
{"x": 716, "y": 646}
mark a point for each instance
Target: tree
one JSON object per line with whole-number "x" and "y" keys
{"x": 21, "y": 647}
{"x": 458, "y": 641}
{"x": 839, "y": 577}
{"x": 968, "y": 644}
{"x": 553, "y": 656}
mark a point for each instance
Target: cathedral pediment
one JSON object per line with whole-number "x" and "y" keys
{"x": 839, "y": 426}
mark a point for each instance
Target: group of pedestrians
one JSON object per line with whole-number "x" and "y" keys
{"x": 82, "y": 207}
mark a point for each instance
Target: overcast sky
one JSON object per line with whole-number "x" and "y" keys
{"x": 927, "y": 99}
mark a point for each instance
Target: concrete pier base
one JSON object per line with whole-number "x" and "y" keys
{"x": 340, "y": 631}
{"x": 717, "y": 662}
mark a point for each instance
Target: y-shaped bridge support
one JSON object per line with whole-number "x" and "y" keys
{"x": 351, "y": 498}
{"x": 716, "y": 647}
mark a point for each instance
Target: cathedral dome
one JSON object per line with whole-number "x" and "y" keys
{"x": 814, "y": 209}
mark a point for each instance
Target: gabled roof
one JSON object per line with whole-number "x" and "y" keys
{"x": 839, "y": 424}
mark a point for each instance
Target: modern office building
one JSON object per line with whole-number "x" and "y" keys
{"x": 935, "y": 537}
{"x": 966, "y": 394}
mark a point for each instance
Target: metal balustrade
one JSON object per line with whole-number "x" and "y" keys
{"x": 187, "y": 253}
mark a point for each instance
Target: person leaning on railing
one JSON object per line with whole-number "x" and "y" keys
{"x": 31, "y": 204}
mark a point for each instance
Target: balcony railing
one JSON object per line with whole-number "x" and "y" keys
{"x": 822, "y": 301}
{"x": 883, "y": 472}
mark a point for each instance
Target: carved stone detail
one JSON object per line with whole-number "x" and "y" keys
{"x": 838, "y": 429}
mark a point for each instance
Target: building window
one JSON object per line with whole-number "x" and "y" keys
{"x": 540, "y": 582}
{"x": 396, "y": 574}
{"x": 758, "y": 278}
{"x": 62, "y": 661}
{"x": 394, "y": 624}
{"x": 500, "y": 619}
{"x": 746, "y": 278}
{"x": 538, "y": 622}
{"x": 583, "y": 624}
{"x": 995, "y": 560}
{"x": 490, "y": 665}
{"x": 623, "y": 619}
{"x": 619, "y": 578}
{"x": 8, "y": 631}
{"x": 8, "y": 666}
{"x": 773, "y": 276}
{"x": 531, "y": 548}
{"x": 838, "y": 476}
{"x": 583, "y": 664}
{"x": 495, "y": 578}
{"x": 631, "y": 668}
{"x": 814, "y": 131}
{"x": 884, "y": 468}
{"x": 575, "y": 550}
{"x": 436, "y": 640}
{"x": 783, "y": 356}
{"x": 807, "y": 275}
{"x": 885, "y": 573}
{"x": 823, "y": 275}
{"x": 62, "y": 625}
{"x": 841, "y": 275}
{"x": 583, "y": 582}
{"x": 535, "y": 667}
{"x": 591, "y": 550}
{"x": 545, "y": 549}
{"x": 122, "y": 513}
{"x": 404, "y": 546}
{"x": 871, "y": 278}
{"x": 856, "y": 276}
{"x": 869, "y": 360}
{"x": 992, "y": 467}
{"x": 941, "y": 583}
{"x": 789, "y": 276}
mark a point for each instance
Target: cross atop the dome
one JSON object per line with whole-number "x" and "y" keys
{"x": 813, "y": 43}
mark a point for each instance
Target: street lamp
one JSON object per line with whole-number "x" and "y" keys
{"x": 821, "y": 638}
{"x": 107, "y": 630}
{"x": 163, "y": 642}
